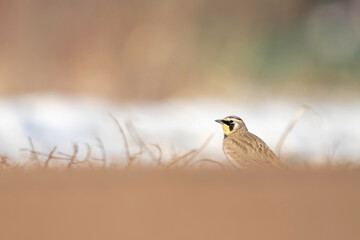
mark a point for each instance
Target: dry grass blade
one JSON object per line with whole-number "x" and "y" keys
{"x": 46, "y": 154}
{"x": 198, "y": 151}
{"x": 159, "y": 158}
{"x": 73, "y": 157}
{"x": 34, "y": 155}
{"x": 330, "y": 158}
{"x": 50, "y": 157}
{"x": 129, "y": 158}
{"x": 290, "y": 127}
{"x": 138, "y": 140}
{"x": 206, "y": 160}
{"x": 88, "y": 152}
{"x": 63, "y": 154}
{"x": 4, "y": 161}
{"x": 189, "y": 156}
{"x": 134, "y": 134}
{"x": 179, "y": 158}
{"x": 102, "y": 149}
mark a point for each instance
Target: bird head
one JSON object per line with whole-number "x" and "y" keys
{"x": 232, "y": 124}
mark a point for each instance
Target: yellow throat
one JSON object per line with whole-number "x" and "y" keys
{"x": 226, "y": 129}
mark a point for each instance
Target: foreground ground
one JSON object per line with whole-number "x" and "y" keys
{"x": 104, "y": 204}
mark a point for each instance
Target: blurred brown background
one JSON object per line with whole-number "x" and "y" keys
{"x": 296, "y": 205}
{"x": 161, "y": 48}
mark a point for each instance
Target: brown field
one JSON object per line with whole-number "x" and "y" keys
{"x": 173, "y": 204}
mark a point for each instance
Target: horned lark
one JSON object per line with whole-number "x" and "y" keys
{"x": 243, "y": 148}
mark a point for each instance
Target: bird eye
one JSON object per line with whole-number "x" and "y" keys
{"x": 231, "y": 121}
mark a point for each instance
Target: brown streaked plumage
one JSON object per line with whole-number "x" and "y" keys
{"x": 243, "y": 148}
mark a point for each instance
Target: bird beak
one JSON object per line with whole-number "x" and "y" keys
{"x": 219, "y": 121}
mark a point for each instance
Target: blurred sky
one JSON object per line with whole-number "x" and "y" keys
{"x": 173, "y": 48}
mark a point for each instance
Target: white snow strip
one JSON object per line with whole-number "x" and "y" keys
{"x": 176, "y": 125}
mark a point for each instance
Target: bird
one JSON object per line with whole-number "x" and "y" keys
{"x": 244, "y": 149}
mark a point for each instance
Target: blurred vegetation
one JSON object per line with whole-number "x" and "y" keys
{"x": 161, "y": 48}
